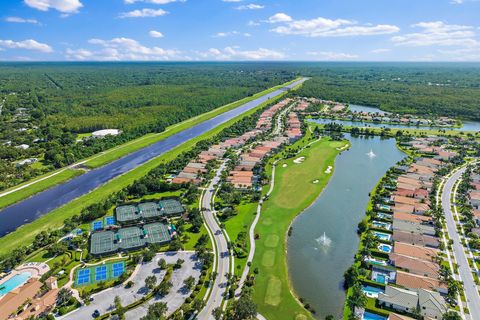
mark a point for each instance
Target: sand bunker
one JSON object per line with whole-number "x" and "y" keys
{"x": 315, "y": 181}
{"x": 285, "y": 165}
{"x": 299, "y": 160}
{"x": 329, "y": 169}
{"x": 343, "y": 148}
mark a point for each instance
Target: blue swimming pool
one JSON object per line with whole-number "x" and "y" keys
{"x": 372, "y": 292}
{"x": 382, "y": 236}
{"x": 372, "y": 316}
{"x": 380, "y": 278}
{"x": 385, "y": 248}
{"x": 14, "y": 282}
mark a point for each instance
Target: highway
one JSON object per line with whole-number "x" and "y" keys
{"x": 222, "y": 253}
{"x": 464, "y": 270}
{"x": 42, "y": 203}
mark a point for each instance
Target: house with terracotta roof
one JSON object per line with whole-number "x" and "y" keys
{"x": 398, "y": 215}
{"x": 413, "y": 251}
{"x": 10, "y": 303}
{"x": 394, "y": 316}
{"x": 415, "y": 266}
{"x": 474, "y": 197}
{"x": 413, "y": 281}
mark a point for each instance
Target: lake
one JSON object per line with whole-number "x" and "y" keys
{"x": 324, "y": 239}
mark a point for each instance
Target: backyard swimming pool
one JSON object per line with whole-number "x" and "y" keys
{"x": 382, "y": 236}
{"x": 14, "y": 282}
{"x": 372, "y": 316}
{"x": 385, "y": 248}
{"x": 372, "y": 292}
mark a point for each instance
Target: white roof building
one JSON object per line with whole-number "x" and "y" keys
{"x": 105, "y": 132}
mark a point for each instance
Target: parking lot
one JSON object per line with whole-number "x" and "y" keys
{"x": 104, "y": 301}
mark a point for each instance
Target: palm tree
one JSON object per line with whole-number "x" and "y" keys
{"x": 357, "y": 299}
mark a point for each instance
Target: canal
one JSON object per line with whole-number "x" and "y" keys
{"x": 34, "y": 207}
{"x": 324, "y": 239}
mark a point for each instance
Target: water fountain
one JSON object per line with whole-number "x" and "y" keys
{"x": 371, "y": 154}
{"x": 324, "y": 240}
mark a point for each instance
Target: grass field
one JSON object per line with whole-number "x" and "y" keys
{"x": 294, "y": 191}
{"x": 26, "y": 192}
{"x": 238, "y": 223}
{"x": 124, "y": 149}
{"x": 25, "y": 234}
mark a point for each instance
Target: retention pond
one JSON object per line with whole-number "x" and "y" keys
{"x": 324, "y": 239}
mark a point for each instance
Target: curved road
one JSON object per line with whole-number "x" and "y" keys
{"x": 223, "y": 256}
{"x": 32, "y": 208}
{"x": 464, "y": 270}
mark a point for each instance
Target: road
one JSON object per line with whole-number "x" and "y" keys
{"x": 42, "y": 203}
{"x": 464, "y": 270}
{"x": 222, "y": 253}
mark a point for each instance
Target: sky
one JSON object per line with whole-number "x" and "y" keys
{"x": 237, "y": 30}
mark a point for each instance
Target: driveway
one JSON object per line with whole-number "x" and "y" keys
{"x": 104, "y": 300}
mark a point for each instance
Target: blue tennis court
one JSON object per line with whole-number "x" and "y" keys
{"x": 109, "y": 221}
{"x": 118, "y": 269}
{"x": 101, "y": 273}
{"x": 83, "y": 276}
{"x": 97, "y": 225}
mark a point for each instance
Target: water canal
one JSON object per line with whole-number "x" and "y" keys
{"x": 41, "y": 203}
{"x": 324, "y": 239}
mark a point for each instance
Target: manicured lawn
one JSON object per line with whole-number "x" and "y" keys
{"x": 25, "y": 234}
{"x": 238, "y": 223}
{"x": 294, "y": 191}
{"x": 26, "y": 192}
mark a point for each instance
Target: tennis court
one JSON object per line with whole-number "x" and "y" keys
{"x": 102, "y": 243}
{"x": 156, "y": 233}
{"x": 109, "y": 221}
{"x": 149, "y": 210}
{"x": 99, "y": 273}
{"x": 171, "y": 207}
{"x": 127, "y": 213}
{"x": 97, "y": 225}
{"x": 129, "y": 238}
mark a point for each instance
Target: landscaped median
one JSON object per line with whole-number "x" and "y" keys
{"x": 297, "y": 185}
{"x": 51, "y": 179}
{"x": 25, "y": 234}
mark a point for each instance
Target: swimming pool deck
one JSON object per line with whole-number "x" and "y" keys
{"x": 36, "y": 270}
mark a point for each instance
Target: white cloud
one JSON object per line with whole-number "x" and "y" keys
{"x": 462, "y": 1}
{"x": 323, "y": 27}
{"x": 377, "y": 51}
{"x": 20, "y": 20}
{"x": 121, "y": 49}
{"x": 464, "y": 54}
{"x": 251, "y": 6}
{"x": 280, "y": 17}
{"x": 252, "y": 23}
{"x": 29, "y": 44}
{"x": 155, "y": 34}
{"x": 143, "y": 13}
{"x": 64, "y": 6}
{"x": 230, "y": 33}
{"x": 438, "y": 33}
{"x": 153, "y": 1}
{"x": 233, "y": 53}
{"x": 328, "y": 55}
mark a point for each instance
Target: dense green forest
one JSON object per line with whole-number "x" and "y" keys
{"x": 442, "y": 89}
{"x": 46, "y": 105}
